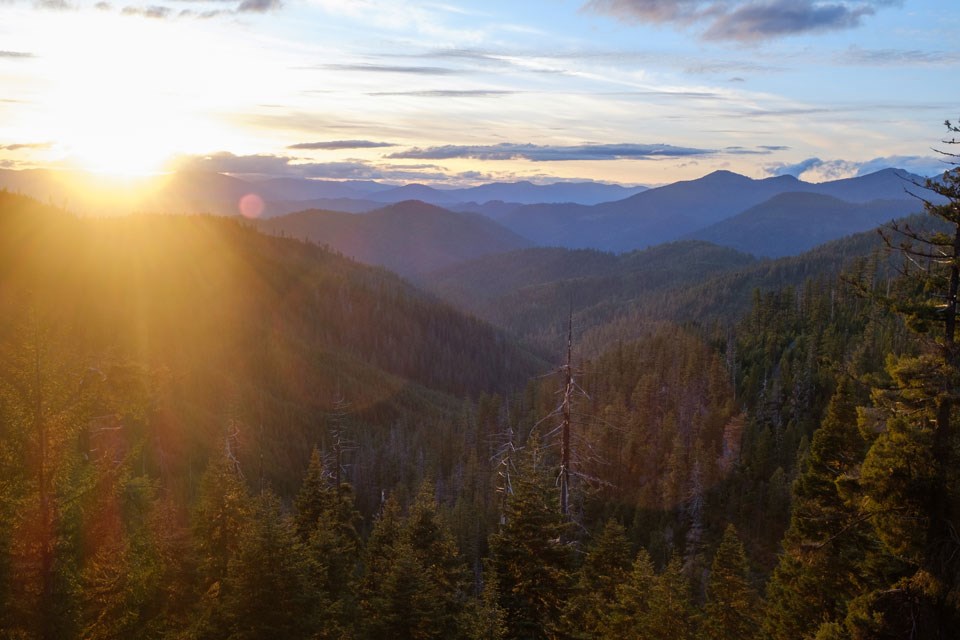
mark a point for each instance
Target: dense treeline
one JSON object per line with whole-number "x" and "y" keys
{"x": 321, "y": 451}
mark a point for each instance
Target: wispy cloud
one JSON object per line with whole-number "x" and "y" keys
{"x": 53, "y": 5}
{"x": 448, "y": 93}
{"x": 904, "y": 57}
{"x": 16, "y": 54}
{"x": 210, "y": 8}
{"x": 388, "y": 68}
{"x": 25, "y": 145}
{"x": 546, "y": 153}
{"x": 333, "y": 145}
{"x": 151, "y": 11}
{"x": 745, "y": 20}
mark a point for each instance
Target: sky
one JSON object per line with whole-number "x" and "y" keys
{"x": 466, "y": 92}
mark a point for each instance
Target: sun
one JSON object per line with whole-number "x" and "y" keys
{"x": 129, "y": 97}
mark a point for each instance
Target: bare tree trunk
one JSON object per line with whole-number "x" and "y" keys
{"x": 565, "y": 427}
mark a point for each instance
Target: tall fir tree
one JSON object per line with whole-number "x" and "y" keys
{"x": 822, "y": 567}
{"x": 266, "y": 591}
{"x": 532, "y": 560}
{"x": 671, "y": 613}
{"x": 628, "y": 615}
{"x": 604, "y": 569}
{"x": 911, "y": 475}
{"x": 733, "y": 606}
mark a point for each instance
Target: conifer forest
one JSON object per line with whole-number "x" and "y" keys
{"x": 212, "y": 431}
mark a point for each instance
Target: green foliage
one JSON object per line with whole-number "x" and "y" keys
{"x": 603, "y": 570}
{"x": 125, "y": 369}
{"x": 266, "y": 592}
{"x": 825, "y": 548}
{"x": 628, "y": 615}
{"x": 733, "y": 606}
{"x": 671, "y": 612}
{"x": 531, "y": 554}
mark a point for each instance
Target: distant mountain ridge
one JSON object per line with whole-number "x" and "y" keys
{"x": 766, "y": 217}
{"x": 794, "y": 222}
{"x": 409, "y": 237}
{"x": 208, "y": 192}
{"x": 674, "y": 211}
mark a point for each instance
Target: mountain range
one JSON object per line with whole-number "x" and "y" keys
{"x": 405, "y": 229}
{"x": 673, "y": 211}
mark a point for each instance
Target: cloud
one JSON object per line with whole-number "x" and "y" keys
{"x": 238, "y": 7}
{"x": 817, "y": 170}
{"x": 745, "y": 20}
{"x": 53, "y": 5}
{"x": 448, "y": 93}
{"x": 25, "y": 145}
{"x": 333, "y": 145}
{"x": 903, "y": 57}
{"x": 16, "y": 54}
{"x": 761, "y": 150}
{"x": 701, "y": 67}
{"x": 386, "y": 68}
{"x": 544, "y": 153}
{"x": 258, "y": 6}
{"x": 152, "y": 11}
{"x": 265, "y": 165}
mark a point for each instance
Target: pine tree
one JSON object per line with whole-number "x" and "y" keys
{"x": 377, "y": 562}
{"x": 671, "y": 613}
{"x": 222, "y": 512}
{"x": 532, "y": 562}
{"x": 415, "y": 583}
{"x": 433, "y": 545}
{"x": 628, "y": 615}
{"x": 333, "y": 552}
{"x": 911, "y": 475}
{"x": 733, "y": 607}
{"x": 828, "y": 539}
{"x": 266, "y": 592}
{"x": 314, "y": 498}
{"x": 604, "y": 570}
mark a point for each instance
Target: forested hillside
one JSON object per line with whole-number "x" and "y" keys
{"x": 212, "y": 433}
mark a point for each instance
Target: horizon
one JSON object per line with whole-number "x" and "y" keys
{"x": 107, "y": 180}
{"x": 630, "y": 92}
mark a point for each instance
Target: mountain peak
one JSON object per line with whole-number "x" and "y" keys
{"x": 723, "y": 174}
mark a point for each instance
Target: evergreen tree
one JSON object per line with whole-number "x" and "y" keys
{"x": 821, "y": 568}
{"x": 733, "y": 607}
{"x": 911, "y": 475}
{"x": 628, "y": 615}
{"x": 377, "y": 562}
{"x": 532, "y": 560}
{"x": 221, "y": 515}
{"x": 315, "y": 497}
{"x": 266, "y": 591}
{"x": 671, "y": 613}
{"x": 603, "y": 570}
{"x": 433, "y": 545}
{"x": 415, "y": 583}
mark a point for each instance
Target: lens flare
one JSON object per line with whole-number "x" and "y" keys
{"x": 251, "y": 206}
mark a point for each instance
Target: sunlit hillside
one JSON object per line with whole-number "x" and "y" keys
{"x": 472, "y": 320}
